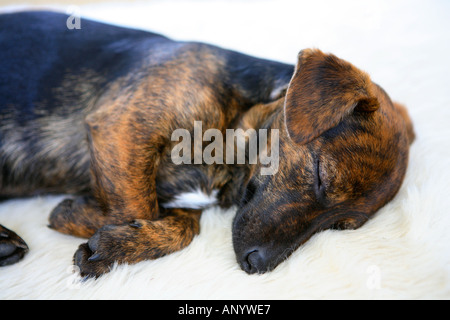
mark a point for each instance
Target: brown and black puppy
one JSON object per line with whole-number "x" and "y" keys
{"x": 343, "y": 155}
{"x": 91, "y": 113}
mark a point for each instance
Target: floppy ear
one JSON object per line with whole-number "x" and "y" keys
{"x": 323, "y": 90}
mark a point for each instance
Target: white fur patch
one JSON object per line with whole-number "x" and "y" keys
{"x": 193, "y": 200}
{"x": 276, "y": 92}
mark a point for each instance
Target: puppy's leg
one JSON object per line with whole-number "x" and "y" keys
{"x": 12, "y": 247}
{"x": 80, "y": 217}
{"x": 124, "y": 156}
{"x": 137, "y": 241}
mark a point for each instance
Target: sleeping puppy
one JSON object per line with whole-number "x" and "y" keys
{"x": 92, "y": 112}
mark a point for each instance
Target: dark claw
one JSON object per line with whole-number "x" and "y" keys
{"x": 90, "y": 264}
{"x": 93, "y": 242}
{"x": 95, "y": 257}
{"x": 135, "y": 224}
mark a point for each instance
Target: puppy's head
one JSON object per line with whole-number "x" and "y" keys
{"x": 343, "y": 154}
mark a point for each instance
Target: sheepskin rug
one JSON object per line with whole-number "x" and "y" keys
{"x": 402, "y": 253}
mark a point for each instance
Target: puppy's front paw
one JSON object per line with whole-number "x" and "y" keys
{"x": 89, "y": 265}
{"x": 109, "y": 244}
{"x": 131, "y": 243}
{"x": 12, "y": 247}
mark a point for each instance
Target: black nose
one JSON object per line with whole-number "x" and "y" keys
{"x": 254, "y": 261}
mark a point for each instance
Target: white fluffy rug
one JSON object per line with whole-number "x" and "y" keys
{"x": 403, "y": 252}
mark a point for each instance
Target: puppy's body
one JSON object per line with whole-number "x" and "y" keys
{"x": 52, "y": 78}
{"x": 90, "y": 112}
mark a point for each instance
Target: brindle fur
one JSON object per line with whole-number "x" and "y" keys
{"x": 91, "y": 113}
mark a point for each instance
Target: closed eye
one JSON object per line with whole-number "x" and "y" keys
{"x": 319, "y": 185}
